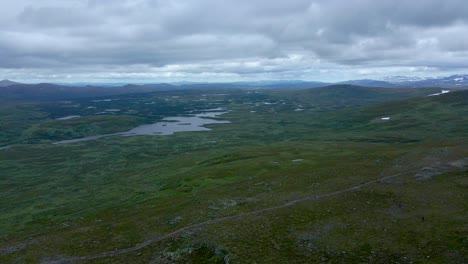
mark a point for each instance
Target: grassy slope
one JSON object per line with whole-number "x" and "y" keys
{"x": 340, "y": 96}
{"x": 91, "y": 197}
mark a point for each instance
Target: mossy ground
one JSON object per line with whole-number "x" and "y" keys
{"x": 113, "y": 193}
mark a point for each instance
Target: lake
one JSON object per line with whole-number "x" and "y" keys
{"x": 168, "y": 126}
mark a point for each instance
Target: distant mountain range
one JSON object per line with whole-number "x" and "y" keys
{"x": 5, "y": 83}
{"x": 454, "y": 81}
{"x": 47, "y": 91}
{"x": 10, "y": 90}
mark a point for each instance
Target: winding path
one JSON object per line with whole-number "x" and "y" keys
{"x": 221, "y": 219}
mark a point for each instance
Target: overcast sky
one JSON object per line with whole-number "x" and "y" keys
{"x": 238, "y": 40}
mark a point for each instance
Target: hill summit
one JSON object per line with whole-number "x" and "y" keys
{"x": 5, "y": 83}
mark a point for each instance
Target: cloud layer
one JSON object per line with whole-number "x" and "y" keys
{"x": 212, "y": 40}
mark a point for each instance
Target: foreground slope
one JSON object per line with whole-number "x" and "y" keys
{"x": 328, "y": 183}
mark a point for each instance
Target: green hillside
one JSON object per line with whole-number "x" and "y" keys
{"x": 306, "y": 176}
{"x": 340, "y": 96}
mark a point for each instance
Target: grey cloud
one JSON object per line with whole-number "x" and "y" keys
{"x": 259, "y": 37}
{"x": 56, "y": 17}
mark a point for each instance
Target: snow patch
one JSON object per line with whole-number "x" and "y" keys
{"x": 442, "y": 92}
{"x": 103, "y": 100}
{"x": 68, "y": 117}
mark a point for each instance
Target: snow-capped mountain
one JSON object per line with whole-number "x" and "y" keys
{"x": 401, "y": 79}
{"x": 454, "y": 81}
{"x": 450, "y": 81}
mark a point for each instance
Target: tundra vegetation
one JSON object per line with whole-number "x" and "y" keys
{"x": 297, "y": 176}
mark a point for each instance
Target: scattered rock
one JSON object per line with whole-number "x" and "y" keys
{"x": 438, "y": 168}
{"x": 427, "y": 173}
{"x": 15, "y": 248}
{"x": 222, "y": 204}
{"x": 396, "y": 210}
{"x": 185, "y": 254}
{"x": 175, "y": 220}
{"x": 460, "y": 164}
{"x": 308, "y": 242}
